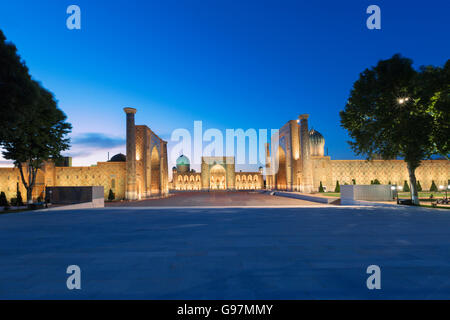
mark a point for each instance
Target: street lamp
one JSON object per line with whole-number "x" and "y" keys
{"x": 399, "y": 188}
{"x": 442, "y": 188}
{"x": 402, "y": 100}
{"x": 394, "y": 193}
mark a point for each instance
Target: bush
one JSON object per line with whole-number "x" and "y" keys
{"x": 3, "y": 200}
{"x": 338, "y": 188}
{"x": 433, "y": 186}
{"x": 406, "y": 187}
{"x": 389, "y": 182}
{"x": 354, "y": 181}
{"x": 111, "y": 195}
{"x": 376, "y": 181}
{"x": 321, "y": 187}
{"x": 19, "y": 199}
{"x": 13, "y": 202}
{"x": 419, "y": 187}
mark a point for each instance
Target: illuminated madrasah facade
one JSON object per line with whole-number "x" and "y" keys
{"x": 302, "y": 165}
{"x": 141, "y": 174}
{"x": 217, "y": 173}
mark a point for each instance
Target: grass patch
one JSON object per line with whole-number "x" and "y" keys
{"x": 332, "y": 194}
{"x": 423, "y": 194}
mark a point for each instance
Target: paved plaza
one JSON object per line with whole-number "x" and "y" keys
{"x": 216, "y": 199}
{"x": 229, "y": 253}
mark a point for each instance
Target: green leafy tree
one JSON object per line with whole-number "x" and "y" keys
{"x": 338, "y": 187}
{"x": 406, "y": 187}
{"x": 34, "y": 128}
{"x": 388, "y": 114}
{"x": 17, "y": 90}
{"x": 419, "y": 187}
{"x": 434, "y": 96}
{"x": 38, "y": 138}
{"x": 111, "y": 195}
{"x": 433, "y": 186}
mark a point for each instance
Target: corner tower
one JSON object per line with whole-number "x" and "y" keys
{"x": 307, "y": 176}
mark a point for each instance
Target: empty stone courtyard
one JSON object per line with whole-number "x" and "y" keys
{"x": 315, "y": 252}
{"x": 216, "y": 199}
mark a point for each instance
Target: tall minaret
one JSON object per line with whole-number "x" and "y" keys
{"x": 130, "y": 190}
{"x": 307, "y": 178}
{"x": 268, "y": 169}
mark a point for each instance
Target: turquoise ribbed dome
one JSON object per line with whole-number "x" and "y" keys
{"x": 183, "y": 160}
{"x": 183, "y": 164}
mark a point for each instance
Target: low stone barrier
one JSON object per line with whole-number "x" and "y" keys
{"x": 359, "y": 194}
{"x": 75, "y": 197}
{"x": 306, "y": 197}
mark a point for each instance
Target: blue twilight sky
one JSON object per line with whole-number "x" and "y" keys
{"x": 231, "y": 64}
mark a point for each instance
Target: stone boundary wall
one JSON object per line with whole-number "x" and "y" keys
{"x": 394, "y": 171}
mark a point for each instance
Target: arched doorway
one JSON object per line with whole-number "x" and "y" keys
{"x": 155, "y": 172}
{"x": 218, "y": 179}
{"x": 281, "y": 173}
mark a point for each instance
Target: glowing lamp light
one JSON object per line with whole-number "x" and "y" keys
{"x": 441, "y": 187}
{"x": 392, "y": 188}
{"x": 402, "y": 100}
{"x": 400, "y": 188}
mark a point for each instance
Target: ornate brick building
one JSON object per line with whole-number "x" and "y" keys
{"x": 142, "y": 173}
{"x": 217, "y": 173}
{"x": 299, "y": 164}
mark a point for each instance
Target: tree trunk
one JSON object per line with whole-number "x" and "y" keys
{"x": 412, "y": 182}
{"x": 30, "y": 195}
{"x": 31, "y": 180}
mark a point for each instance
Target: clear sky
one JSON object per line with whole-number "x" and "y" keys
{"x": 232, "y": 64}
